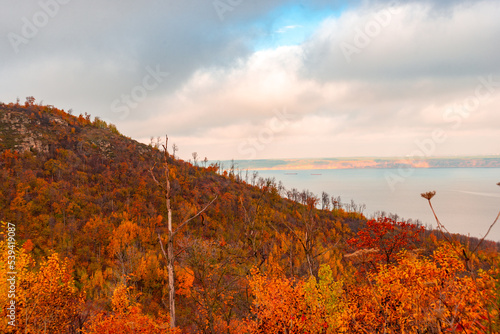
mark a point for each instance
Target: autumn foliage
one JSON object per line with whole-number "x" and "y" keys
{"x": 414, "y": 294}
{"x": 260, "y": 259}
{"x": 425, "y": 295}
{"x": 126, "y": 318}
{"x": 46, "y": 297}
{"x": 386, "y": 237}
{"x": 286, "y": 305}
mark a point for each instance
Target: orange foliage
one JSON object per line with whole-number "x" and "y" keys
{"x": 284, "y": 305}
{"x": 126, "y": 318}
{"x": 185, "y": 279}
{"x": 86, "y": 192}
{"x": 423, "y": 295}
{"x": 46, "y": 300}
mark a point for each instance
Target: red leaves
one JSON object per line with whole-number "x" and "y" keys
{"x": 387, "y": 235}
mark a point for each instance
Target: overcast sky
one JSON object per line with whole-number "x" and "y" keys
{"x": 249, "y": 79}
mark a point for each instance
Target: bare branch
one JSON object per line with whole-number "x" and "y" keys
{"x": 162, "y": 248}
{"x": 187, "y": 221}
{"x": 428, "y": 196}
{"x": 491, "y": 226}
{"x": 155, "y": 180}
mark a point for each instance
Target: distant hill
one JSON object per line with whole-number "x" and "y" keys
{"x": 348, "y": 163}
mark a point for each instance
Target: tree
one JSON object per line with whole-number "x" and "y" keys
{"x": 424, "y": 295}
{"x": 127, "y": 318}
{"x": 175, "y": 148}
{"x": 211, "y": 285}
{"x": 30, "y": 101}
{"x": 46, "y": 300}
{"x": 307, "y": 234}
{"x": 285, "y": 305}
{"x": 325, "y": 201}
{"x": 195, "y": 158}
{"x": 385, "y": 237}
{"x": 169, "y": 254}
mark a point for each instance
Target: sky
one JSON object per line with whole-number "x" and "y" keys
{"x": 252, "y": 79}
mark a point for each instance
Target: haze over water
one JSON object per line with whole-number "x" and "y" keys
{"x": 467, "y": 199}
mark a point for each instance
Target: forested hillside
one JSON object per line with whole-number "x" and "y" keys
{"x": 85, "y": 214}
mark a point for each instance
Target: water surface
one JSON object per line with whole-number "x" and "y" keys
{"x": 467, "y": 199}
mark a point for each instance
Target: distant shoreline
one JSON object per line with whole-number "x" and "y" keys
{"x": 364, "y": 163}
{"x": 346, "y": 168}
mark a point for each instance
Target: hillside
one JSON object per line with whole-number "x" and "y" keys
{"x": 87, "y": 211}
{"x": 71, "y": 185}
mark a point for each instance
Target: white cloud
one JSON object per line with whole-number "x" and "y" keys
{"x": 396, "y": 92}
{"x": 287, "y": 28}
{"x": 425, "y": 58}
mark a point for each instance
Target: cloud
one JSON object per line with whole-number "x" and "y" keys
{"x": 394, "y": 94}
{"x": 106, "y": 46}
{"x": 287, "y": 28}
{"x": 420, "y": 59}
{"x": 406, "y": 41}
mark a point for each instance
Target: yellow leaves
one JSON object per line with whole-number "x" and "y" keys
{"x": 423, "y": 294}
{"x": 46, "y": 300}
{"x": 120, "y": 301}
{"x": 125, "y": 245}
{"x": 446, "y": 257}
{"x": 173, "y": 172}
{"x": 97, "y": 284}
{"x": 324, "y": 298}
{"x": 123, "y": 236}
{"x": 152, "y": 223}
{"x": 23, "y": 262}
{"x": 150, "y": 270}
{"x": 294, "y": 306}
{"x": 52, "y": 292}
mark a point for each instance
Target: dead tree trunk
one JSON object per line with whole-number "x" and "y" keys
{"x": 169, "y": 254}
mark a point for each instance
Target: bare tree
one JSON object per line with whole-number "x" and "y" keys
{"x": 231, "y": 170}
{"x": 293, "y": 194}
{"x": 336, "y": 202}
{"x": 195, "y": 158}
{"x": 281, "y": 188}
{"x": 254, "y": 177}
{"x": 30, "y": 101}
{"x": 447, "y": 235}
{"x": 307, "y": 233}
{"x": 175, "y": 148}
{"x": 169, "y": 254}
{"x": 325, "y": 201}
{"x": 221, "y": 168}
